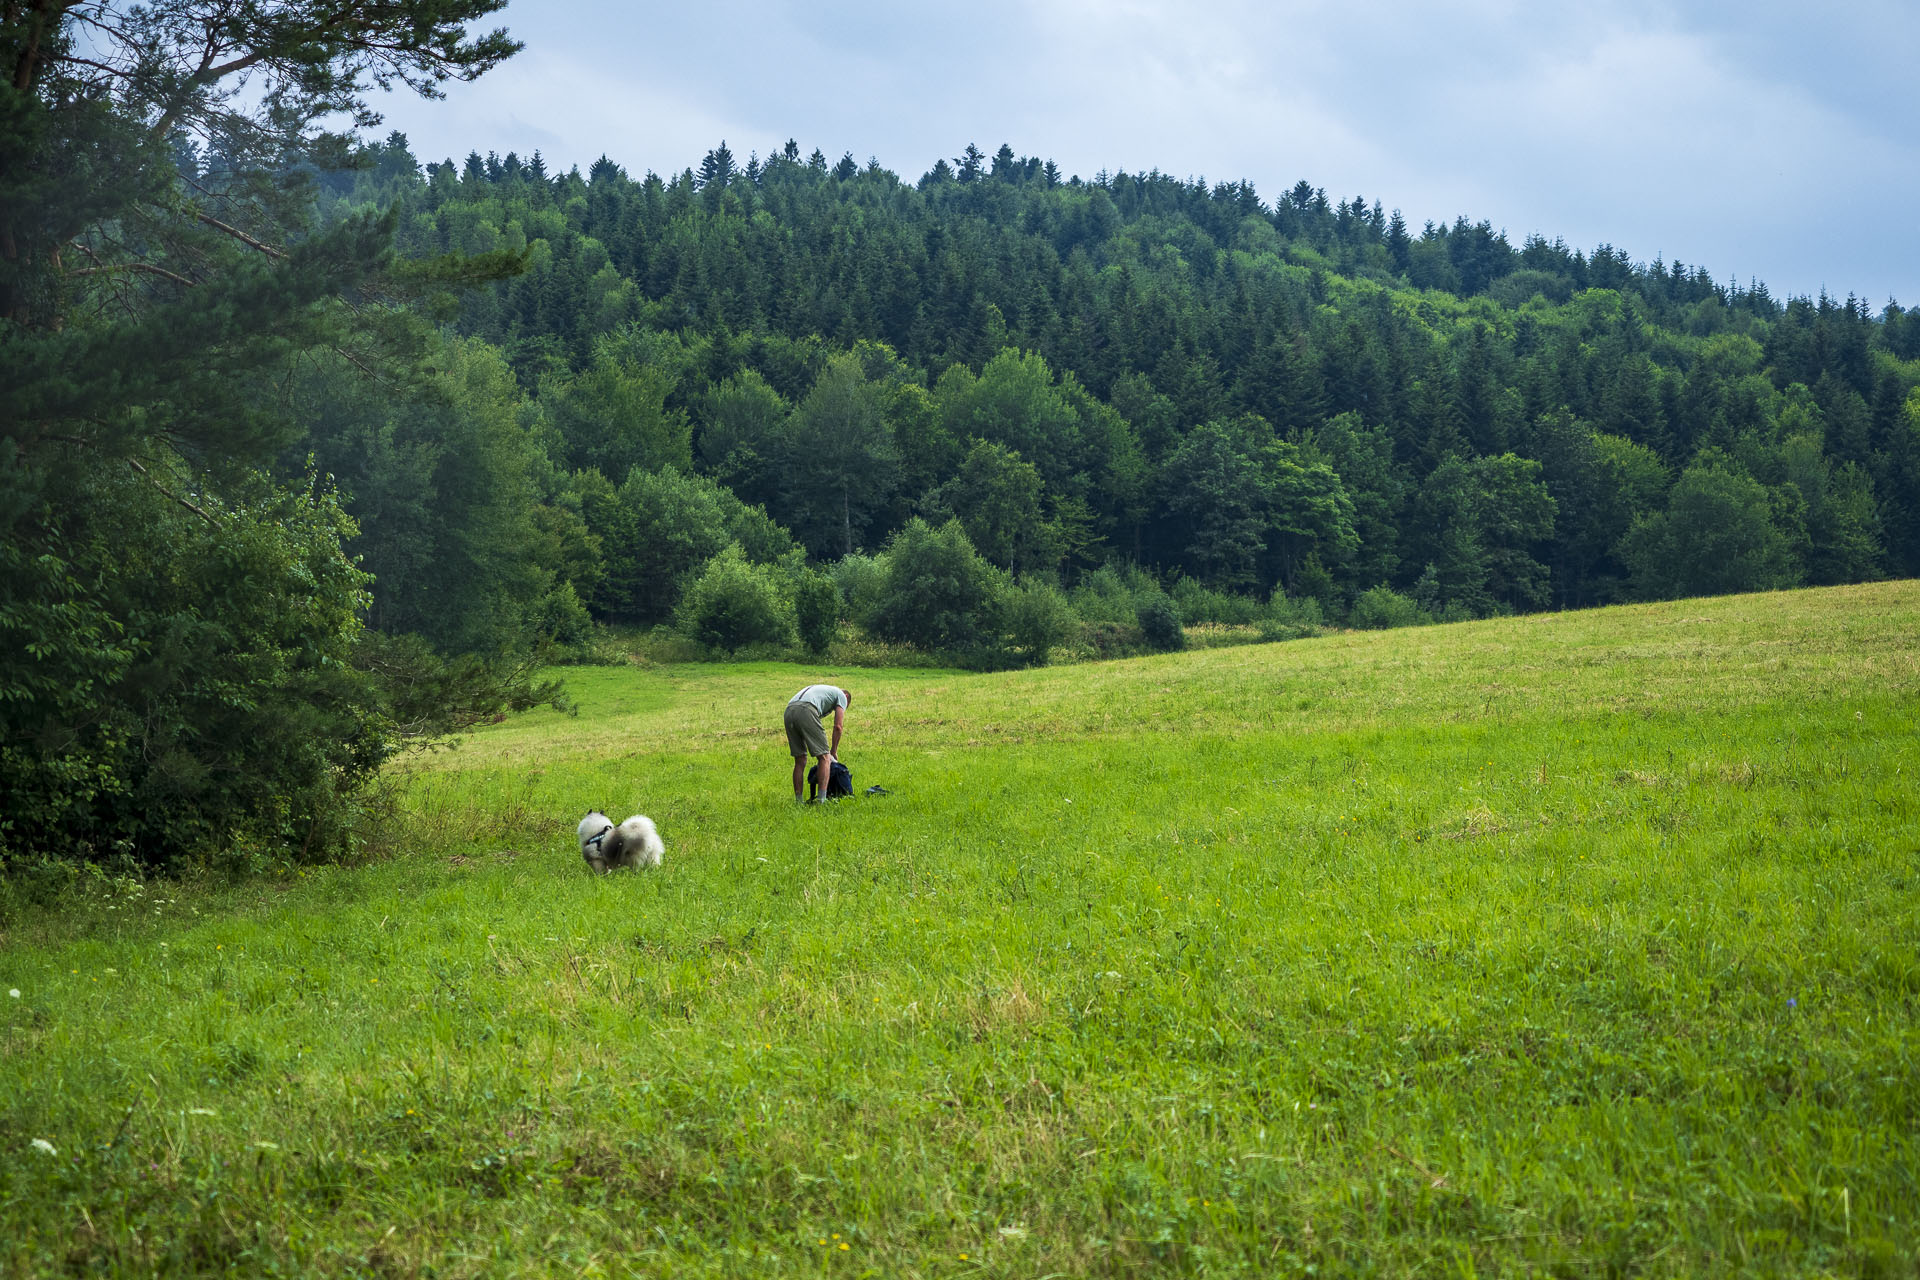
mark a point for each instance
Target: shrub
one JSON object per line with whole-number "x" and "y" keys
{"x": 1108, "y": 594}
{"x": 1111, "y": 639}
{"x": 1311, "y": 581}
{"x": 1290, "y": 619}
{"x": 816, "y": 608}
{"x": 853, "y": 647}
{"x": 1198, "y": 603}
{"x": 861, "y": 580}
{"x": 1383, "y": 607}
{"x": 733, "y": 604}
{"x": 1160, "y": 625}
{"x": 560, "y": 617}
{"x": 173, "y": 686}
{"x": 1037, "y": 619}
{"x": 658, "y": 532}
{"x": 937, "y": 592}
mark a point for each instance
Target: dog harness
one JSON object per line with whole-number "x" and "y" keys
{"x": 595, "y": 840}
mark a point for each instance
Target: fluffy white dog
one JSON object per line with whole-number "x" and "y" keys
{"x": 634, "y": 843}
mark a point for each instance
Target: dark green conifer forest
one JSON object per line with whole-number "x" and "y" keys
{"x": 310, "y": 448}
{"x": 1131, "y": 370}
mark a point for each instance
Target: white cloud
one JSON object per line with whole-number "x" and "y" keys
{"x": 1654, "y": 140}
{"x": 568, "y": 108}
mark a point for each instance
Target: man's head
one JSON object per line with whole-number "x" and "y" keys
{"x": 848, "y": 695}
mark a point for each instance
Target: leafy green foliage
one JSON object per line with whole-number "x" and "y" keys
{"x": 1037, "y": 618}
{"x": 443, "y": 489}
{"x": 1380, "y": 607}
{"x": 1717, "y": 535}
{"x": 733, "y": 604}
{"x": 1160, "y": 626}
{"x": 1240, "y": 498}
{"x": 424, "y": 696}
{"x": 191, "y": 616}
{"x": 997, "y": 498}
{"x": 660, "y": 528}
{"x": 816, "y": 608}
{"x": 613, "y": 415}
{"x": 184, "y": 676}
{"x": 1484, "y": 518}
{"x": 1217, "y": 492}
{"x": 1291, "y": 619}
{"x": 1255, "y": 392}
{"x": 841, "y": 465}
{"x": 745, "y": 437}
{"x": 937, "y": 592}
{"x": 1198, "y": 603}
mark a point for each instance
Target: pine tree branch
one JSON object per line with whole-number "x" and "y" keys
{"x": 134, "y": 266}
{"x": 200, "y": 78}
{"x": 359, "y": 364}
{"x": 185, "y": 502}
{"x": 72, "y": 61}
{"x": 116, "y": 294}
{"x": 239, "y": 235}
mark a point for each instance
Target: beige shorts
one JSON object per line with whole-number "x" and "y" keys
{"x": 805, "y": 737}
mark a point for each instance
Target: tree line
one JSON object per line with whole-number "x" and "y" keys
{"x": 1301, "y": 396}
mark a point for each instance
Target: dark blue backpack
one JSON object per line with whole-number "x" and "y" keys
{"x": 839, "y": 782}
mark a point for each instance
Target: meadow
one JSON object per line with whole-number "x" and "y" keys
{"x": 1577, "y": 944}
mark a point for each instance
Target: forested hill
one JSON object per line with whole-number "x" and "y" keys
{"x": 1300, "y": 393}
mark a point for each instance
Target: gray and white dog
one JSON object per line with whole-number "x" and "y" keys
{"x": 634, "y": 843}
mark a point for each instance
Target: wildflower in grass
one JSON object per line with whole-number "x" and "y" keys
{"x": 845, "y": 1245}
{"x": 41, "y": 1144}
{"x": 14, "y": 992}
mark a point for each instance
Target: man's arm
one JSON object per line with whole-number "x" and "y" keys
{"x": 839, "y": 722}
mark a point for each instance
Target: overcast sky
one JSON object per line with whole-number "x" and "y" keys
{"x": 1769, "y": 139}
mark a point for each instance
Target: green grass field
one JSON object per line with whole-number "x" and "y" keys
{"x": 1586, "y": 944}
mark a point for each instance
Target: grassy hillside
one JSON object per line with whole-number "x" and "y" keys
{"x": 1577, "y": 941}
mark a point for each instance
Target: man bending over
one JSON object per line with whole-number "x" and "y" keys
{"x": 806, "y": 737}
